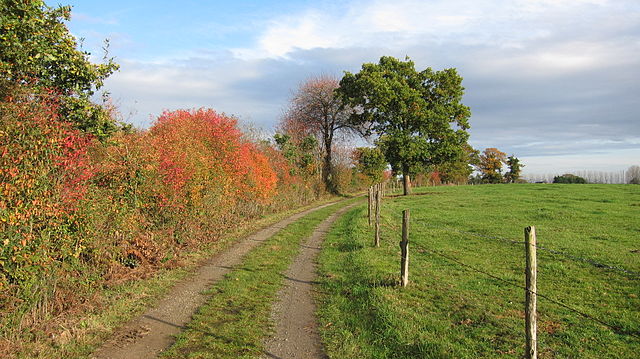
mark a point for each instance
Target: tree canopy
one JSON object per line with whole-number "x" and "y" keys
{"x": 515, "y": 168}
{"x": 37, "y": 49}
{"x": 418, "y": 116}
{"x": 569, "y": 178}
{"x": 459, "y": 169}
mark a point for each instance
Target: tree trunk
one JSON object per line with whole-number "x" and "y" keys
{"x": 326, "y": 174}
{"x": 327, "y": 167}
{"x": 406, "y": 181}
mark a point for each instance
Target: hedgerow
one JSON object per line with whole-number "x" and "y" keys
{"x": 78, "y": 215}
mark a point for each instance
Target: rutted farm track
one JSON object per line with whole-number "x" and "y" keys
{"x": 148, "y": 335}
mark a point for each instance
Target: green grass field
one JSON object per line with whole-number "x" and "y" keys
{"x": 450, "y": 311}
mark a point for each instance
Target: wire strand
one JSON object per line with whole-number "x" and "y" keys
{"x": 613, "y": 327}
{"x": 550, "y": 250}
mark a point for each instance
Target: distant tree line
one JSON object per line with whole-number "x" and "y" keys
{"x": 630, "y": 176}
{"x": 414, "y": 118}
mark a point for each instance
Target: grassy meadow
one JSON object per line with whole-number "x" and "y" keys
{"x": 452, "y": 311}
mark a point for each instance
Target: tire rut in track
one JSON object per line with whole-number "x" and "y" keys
{"x": 296, "y": 330}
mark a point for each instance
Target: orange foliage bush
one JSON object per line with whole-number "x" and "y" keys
{"x": 202, "y": 151}
{"x": 182, "y": 182}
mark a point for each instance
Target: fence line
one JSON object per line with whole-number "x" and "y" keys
{"x": 530, "y": 289}
{"x": 550, "y": 250}
{"x": 613, "y": 327}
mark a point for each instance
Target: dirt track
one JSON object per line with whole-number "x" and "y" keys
{"x": 296, "y": 332}
{"x": 150, "y": 334}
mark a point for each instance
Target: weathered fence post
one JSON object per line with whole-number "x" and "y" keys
{"x": 378, "y": 202}
{"x": 404, "y": 248}
{"x": 370, "y": 204}
{"x": 531, "y": 292}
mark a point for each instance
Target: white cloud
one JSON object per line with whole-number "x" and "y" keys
{"x": 558, "y": 57}
{"x": 247, "y": 89}
{"x": 508, "y": 24}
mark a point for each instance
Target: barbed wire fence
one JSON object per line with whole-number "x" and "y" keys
{"x": 520, "y": 286}
{"x": 607, "y": 323}
{"x": 594, "y": 263}
{"x": 634, "y": 275}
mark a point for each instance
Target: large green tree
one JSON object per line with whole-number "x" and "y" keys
{"x": 37, "y": 49}
{"x": 459, "y": 169}
{"x": 418, "y": 116}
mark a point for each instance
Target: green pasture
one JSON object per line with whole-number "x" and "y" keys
{"x": 590, "y": 263}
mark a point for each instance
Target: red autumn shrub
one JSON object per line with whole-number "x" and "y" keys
{"x": 259, "y": 178}
{"x": 202, "y": 154}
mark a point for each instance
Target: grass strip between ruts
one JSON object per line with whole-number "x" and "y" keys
{"x": 236, "y": 319}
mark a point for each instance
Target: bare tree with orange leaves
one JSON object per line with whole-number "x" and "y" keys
{"x": 315, "y": 110}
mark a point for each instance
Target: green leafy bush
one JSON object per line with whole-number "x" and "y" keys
{"x": 568, "y": 178}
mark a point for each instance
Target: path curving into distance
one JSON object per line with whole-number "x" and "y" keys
{"x": 151, "y": 333}
{"x": 296, "y": 330}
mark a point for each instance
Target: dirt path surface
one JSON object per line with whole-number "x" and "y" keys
{"x": 150, "y": 334}
{"x": 296, "y": 330}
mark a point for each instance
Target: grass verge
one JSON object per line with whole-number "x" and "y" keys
{"x": 236, "y": 319}
{"x": 449, "y": 311}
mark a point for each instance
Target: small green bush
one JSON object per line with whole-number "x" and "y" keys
{"x": 568, "y": 178}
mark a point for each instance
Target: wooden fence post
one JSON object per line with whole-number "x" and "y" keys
{"x": 370, "y": 204}
{"x": 378, "y": 202}
{"x": 530, "y": 297}
{"x": 404, "y": 248}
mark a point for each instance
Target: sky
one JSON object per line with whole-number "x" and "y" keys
{"x": 554, "y": 82}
